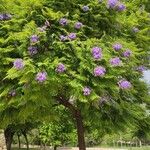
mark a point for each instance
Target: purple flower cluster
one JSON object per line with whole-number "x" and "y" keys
{"x": 99, "y": 71}
{"x": 4, "y": 17}
{"x": 115, "y": 61}
{"x": 117, "y": 46}
{"x": 60, "y": 68}
{"x": 85, "y": 8}
{"x": 135, "y": 29}
{"x": 97, "y": 52}
{"x": 112, "y": 3}
{"x": 41, "y": 76}
{"x": 63, "y": 38}
{"x": 72, "y": 36}
{"x": 78, "y": 25}
{"x": 141, "y": 68}
{"x": 127, "y": 53}
{"x": 124, "y": 84}
{"x": 18, "y": 64}
{"x": 121, "y": 7}
{"x": 116, "y": 4}
{"x": 12, "y": 93}
{"x": 34, "y": 38}
{"x": 63, "y": 21}
{"x": 86, "y": 91}
{"x": 32, "y": 50}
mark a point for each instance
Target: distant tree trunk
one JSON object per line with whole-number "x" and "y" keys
{"x": 79, "y": 121}
{"x": 140, "y": 143}
{"x": 8, "y": 137}
{"x": 26, "y": 139}
{"x": 55, "y": 147}
{"x": 19, "y": 142}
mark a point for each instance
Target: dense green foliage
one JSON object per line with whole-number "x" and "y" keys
{"x": 102, "y": 27}
{"x": 60, "y": 132}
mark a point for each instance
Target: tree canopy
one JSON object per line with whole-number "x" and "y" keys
{"x": 87, "y": 55}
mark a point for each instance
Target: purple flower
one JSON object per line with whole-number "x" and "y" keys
{"x": 135, "y": 29}
{"x": 12, "y": 93}
{"x": 1, "y": 17}
{"x": 60, "y": 68}
{"x": 41, "y": 76}
{"x": 127, "y": 53}
{"x": 97, "y": 52}
{"x": 63, "y": 21}
{"x": 112, "y": 3}
{"x": 63, "y": 38}
{"x": 7, "y": 16}
{"x": 4, "y": 17}
{"x": 34, "y": 38}
{"x": 124, "y": 84}
{"x": 32, "y": 50}
{"x": 18, "y": 64}
{"x": 86, "y": 91}
{"x": 72, "y": 36}
{"x": 141, "y": 68}
{"x": 85, "y": 8}
{"x": 121, "y": 7}
{"x": 99, "y": 71}
{"x": 78, "y": 25}
{"x": 115, "y": 61}
{"x": 117, "y": 46}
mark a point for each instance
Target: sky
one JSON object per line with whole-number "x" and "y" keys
{"x": 147, "y": 76}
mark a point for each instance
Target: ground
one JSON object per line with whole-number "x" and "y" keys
{"x": 135, "y": 148}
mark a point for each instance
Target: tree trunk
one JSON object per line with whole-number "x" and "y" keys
{"x": 26, "y": 138}
{"x": 55, "y": 147}
{"x": 80, "y": 131}
{"x": 78, "y": 118}
{"x": 19, "y": 145}
{"x": 140, "y": 143}
{"x": 8, "y": 137}
{"x": 2, "y": 140}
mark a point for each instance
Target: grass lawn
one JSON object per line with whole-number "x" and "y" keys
{"x": 128, "y": 148}
{"x": 140, "y": 148}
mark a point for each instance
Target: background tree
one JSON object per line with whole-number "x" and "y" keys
{"x": 87, "y": 56}
{"x": 60, "y": 132}
{"x": 19, "y": 129}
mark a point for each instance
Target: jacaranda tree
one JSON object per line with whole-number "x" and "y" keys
{"x": 85, "y": 55}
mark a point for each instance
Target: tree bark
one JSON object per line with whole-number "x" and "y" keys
{"x": 8, "y": 137}
{"x": 80, "y": 131}
{"x": 26, "y": 138}
{"x": 19, "y": 145}
{"x": 79, "y": 121}
{"x": 55, "y": 147}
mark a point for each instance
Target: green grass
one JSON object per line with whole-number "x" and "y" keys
{"x": 140, "y": 148}
{"x": 128, "y": 148}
